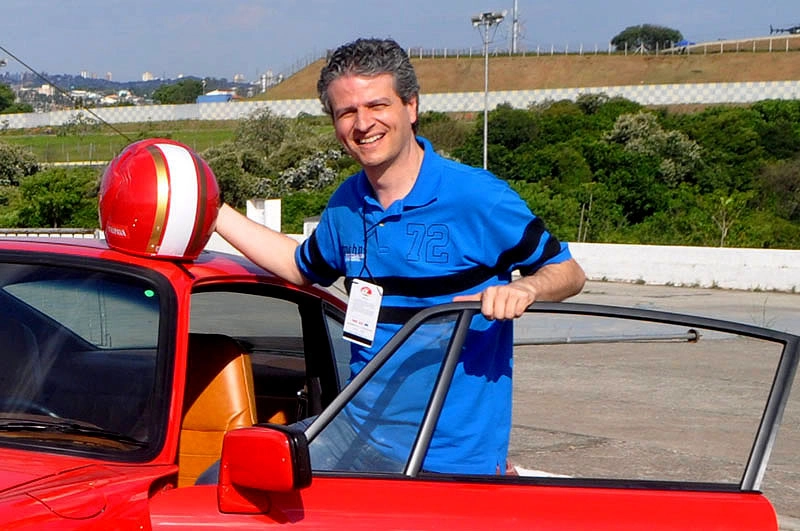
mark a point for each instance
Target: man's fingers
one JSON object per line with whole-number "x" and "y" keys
{"x": 500, "y": 302}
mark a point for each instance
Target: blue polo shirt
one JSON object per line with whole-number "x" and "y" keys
{"x": 458, "y": 231}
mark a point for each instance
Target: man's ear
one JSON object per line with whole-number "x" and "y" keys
{"x": 413, "y": 109}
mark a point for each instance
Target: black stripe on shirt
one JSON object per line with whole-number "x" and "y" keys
{"x": 317, "y": 263}
{"x": 421, "y": 287}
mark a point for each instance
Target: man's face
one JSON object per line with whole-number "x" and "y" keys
{"x": 371, "y": 120}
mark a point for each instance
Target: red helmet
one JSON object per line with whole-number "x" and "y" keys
{"x": 158, "y": 198}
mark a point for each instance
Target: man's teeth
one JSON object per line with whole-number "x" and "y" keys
{"x": 370, "y": 140}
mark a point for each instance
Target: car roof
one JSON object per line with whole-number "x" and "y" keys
{"x": 208, "y": 266}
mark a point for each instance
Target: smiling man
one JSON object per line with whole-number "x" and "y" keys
{"x": 413, "y": 229}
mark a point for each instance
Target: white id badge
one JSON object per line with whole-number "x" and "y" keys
{"x": 362, "y": 312}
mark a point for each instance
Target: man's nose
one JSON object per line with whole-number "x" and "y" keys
{"x": 363, "y": 119}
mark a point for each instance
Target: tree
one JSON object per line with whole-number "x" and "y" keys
{"x": 60, "y": 197}
{"x": 445, "y": 133}
{"x": 235, "y": 170}
{"x": 779, "y": 189}
{"x": 15, "y": 163}
{"x": 184, "y": 91}
{"x": 262, "y": 131}
{"x": 733, "y": 152}
{"x": 8, "y": 103}
{"x": 272, "y": 156}
{"x": 640, "y": 133}
{"x": 7, "y": 97}
{"x": 725, "y": 210}
{"x": 646, "y": 37}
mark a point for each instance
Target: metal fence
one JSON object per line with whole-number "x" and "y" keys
{"x": 770, "y": 44}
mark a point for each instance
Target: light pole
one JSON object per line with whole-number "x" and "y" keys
{"x": 485, "y": 22}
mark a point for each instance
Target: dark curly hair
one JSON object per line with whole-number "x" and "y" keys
{"x": 370, "y": 57}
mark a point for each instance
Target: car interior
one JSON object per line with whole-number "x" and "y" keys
{"x": 271, "y": 361}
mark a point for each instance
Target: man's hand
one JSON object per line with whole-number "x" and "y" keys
{"x": 554, "y": 282}
{"x": 502, "y": 302}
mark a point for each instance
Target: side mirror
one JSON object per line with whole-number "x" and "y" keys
{"x": 260, "y": 460}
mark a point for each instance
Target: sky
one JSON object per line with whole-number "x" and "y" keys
{"x": 223, "y": 38}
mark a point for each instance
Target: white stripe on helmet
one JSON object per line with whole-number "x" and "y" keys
{"x": 183, "y": 200}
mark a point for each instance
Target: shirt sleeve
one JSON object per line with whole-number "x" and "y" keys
{"x": 317, "y": 256}
{"x": 519, "y": 238}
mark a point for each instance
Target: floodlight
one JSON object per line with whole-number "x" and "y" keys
{"x": 485, "y": 21}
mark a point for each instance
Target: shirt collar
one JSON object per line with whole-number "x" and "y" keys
{"x": 426, "y": 187}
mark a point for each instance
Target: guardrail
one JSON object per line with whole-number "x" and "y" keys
{"x": 51, "y": 233}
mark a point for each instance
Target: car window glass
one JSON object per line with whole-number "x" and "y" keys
{"x": 81, "y": 346}
{"x": 375, "y": 431}
{"x": 595, "y": 397}
{"x": 341, "y": 348}
{"x": 243, "y": 314}
{"x": 102, "y": 310}
{"x": 598, "y": 397}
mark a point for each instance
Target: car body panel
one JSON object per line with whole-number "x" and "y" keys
{"x": 349, "y": 503}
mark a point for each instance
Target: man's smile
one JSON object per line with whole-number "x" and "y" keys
{"x": 369, "y": 139}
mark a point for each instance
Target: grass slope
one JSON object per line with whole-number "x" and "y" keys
{"x": 437, "y": 75}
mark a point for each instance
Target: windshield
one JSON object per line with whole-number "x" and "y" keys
{"x": 80, "y": 347}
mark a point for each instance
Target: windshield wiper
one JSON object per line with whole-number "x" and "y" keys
{"x": 75, "y": 428}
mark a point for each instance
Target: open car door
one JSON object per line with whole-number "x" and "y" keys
{"x": 622, "y": 419}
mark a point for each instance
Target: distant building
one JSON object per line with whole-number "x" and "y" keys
{"x": 148, "y": 76}
{"x": 85, "y": 95}
{"x": 216, "y": 96}
{"x": 46, "y": 90}
{"x": 109, "y": 99}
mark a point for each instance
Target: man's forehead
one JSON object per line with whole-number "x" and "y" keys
{"x": 361, "y": 81}
{"x": 352, "y": 89}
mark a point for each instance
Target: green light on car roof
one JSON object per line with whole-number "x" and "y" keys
{"x": 149, "y": 293}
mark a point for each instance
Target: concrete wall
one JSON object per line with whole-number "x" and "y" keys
{"x": 748, "y": 269}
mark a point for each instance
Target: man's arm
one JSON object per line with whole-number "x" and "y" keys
{"x": 274, "y": 251}
{"x": 553, "y": 282}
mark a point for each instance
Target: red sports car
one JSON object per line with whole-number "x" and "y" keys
{"x": 124, "y": 377}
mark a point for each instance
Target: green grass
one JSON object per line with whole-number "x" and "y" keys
{"x": 102, "y": 143}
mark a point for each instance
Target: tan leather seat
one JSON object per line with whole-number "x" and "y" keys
{"x": 219, "y": 397}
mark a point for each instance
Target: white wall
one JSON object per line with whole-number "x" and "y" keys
{"x": 749, "y": 269}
